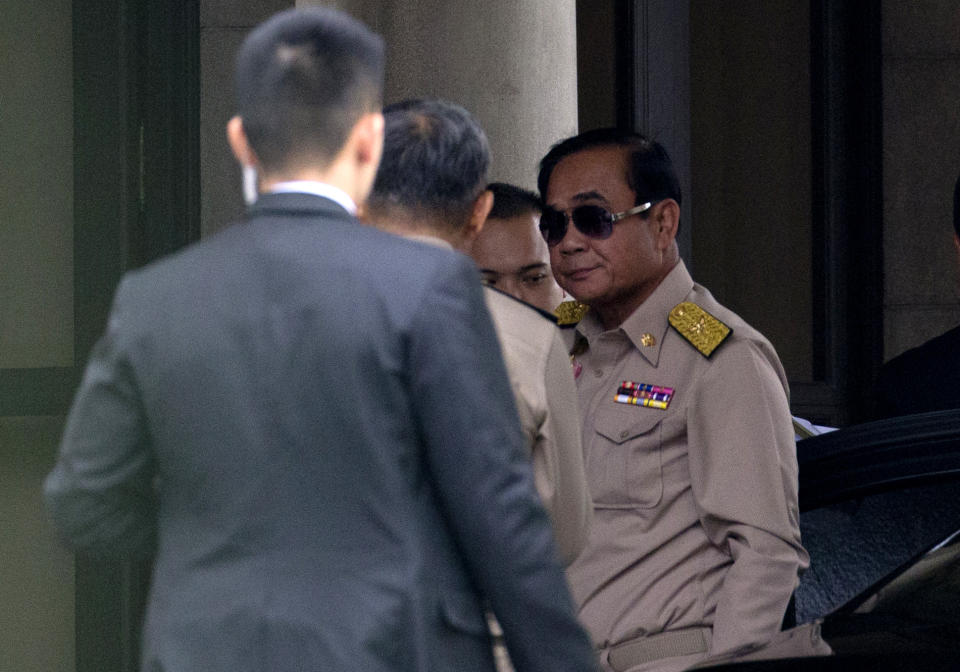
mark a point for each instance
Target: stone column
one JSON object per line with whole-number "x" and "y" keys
{"x": 512, "y": 64}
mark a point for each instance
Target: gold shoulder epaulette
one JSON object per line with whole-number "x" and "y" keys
{"x": 703, "y": 330}
{"x": 570, "y": 312}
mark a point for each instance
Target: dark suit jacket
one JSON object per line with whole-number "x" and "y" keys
{"x": 313, "y": 420}
{"x": 922, "y": 379}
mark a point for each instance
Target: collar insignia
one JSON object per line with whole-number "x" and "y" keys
{"x": 570, "y": 312}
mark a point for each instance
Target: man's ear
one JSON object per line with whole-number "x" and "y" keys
{"x": 367, "y": 139}
{"x": 237, "y": 138}
{"x": 478, "y": 215}
{"x": 666, "y": 218}
{"x": 362, "y": 153}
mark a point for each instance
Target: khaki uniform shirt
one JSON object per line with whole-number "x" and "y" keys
{"x": 539, "y": 370}
{"x": 695, "y": 507}
{"x": 538, "y": 367}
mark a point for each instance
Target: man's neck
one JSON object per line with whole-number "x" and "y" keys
{"x": 333, "y": 175}
{"x": 614, "y": 313}
{"x": 410, "y": 226}
{"x": 321, "y": 189}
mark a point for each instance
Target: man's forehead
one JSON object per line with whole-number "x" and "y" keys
{"x": 520, "y": 221}
{"x": 592, "y": 195}
{"x": 589, "y": 196}
{"x": 591, "y": 174}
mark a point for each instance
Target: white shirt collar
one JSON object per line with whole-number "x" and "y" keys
{"x": 322, "y": 189}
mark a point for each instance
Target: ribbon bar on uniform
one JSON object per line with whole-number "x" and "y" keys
{"x": 644, "y": 394}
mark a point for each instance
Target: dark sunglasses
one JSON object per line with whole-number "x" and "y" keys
{"x": 590, "y": 220}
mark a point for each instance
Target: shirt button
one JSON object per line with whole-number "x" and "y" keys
{"x": 624, "y": 434}
{"x": 598, "y": 373}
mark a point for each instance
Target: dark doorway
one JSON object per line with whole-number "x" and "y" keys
{"x": 136, "y": 92}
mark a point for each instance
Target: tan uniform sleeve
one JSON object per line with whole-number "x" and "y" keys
{"x": 558, "y": 457}
{"x": 743, "y": 471}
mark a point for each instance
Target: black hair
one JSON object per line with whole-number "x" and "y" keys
{"x": 956, "y": 207}
{"x": 435, "y": 161}
{"x": 511, "y": 201}
{"x": 651, "y": 175}
{"x": 303, "y": 79}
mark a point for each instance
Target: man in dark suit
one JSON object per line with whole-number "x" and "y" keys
{"x": 925, "y": 378}
{"x": 310, "y": 418}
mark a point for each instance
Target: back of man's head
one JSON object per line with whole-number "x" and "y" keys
{"x": 303, "y": 79}
{"x": 434, "y": 164}
{"x": 651, "y": 174}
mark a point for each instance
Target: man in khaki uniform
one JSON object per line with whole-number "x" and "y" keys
{"x": 431, "y": 187}
{"x": 510, "y": 252}
{"x": 695, "y": 545}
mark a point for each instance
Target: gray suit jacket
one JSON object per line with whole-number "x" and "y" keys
{"x": 312, "y": 420}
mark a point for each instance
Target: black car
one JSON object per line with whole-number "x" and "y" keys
{"x": 880, "y": 516}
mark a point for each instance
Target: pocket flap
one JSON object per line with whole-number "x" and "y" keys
{"x": 622, "y": 422}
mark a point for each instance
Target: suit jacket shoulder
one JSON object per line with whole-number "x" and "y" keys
{"x": 922, "y": 379}
{"x": 282, "y": 254}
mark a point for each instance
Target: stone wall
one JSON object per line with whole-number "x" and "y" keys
{"x": 921, "y": 145}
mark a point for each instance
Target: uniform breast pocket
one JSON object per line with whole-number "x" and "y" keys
{"x": 623, "y": 463}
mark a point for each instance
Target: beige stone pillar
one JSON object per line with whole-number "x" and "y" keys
{"x": 512, "y": 64}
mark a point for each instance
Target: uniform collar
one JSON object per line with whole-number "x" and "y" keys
{"x": 651, "y": 318}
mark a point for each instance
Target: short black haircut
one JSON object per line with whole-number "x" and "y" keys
{"x": 956, "y": 207}
{"x": 651, "y": 174}
{"x": 434, "y": 164}
{"x": 303, "y": 79}
{"x": 511, "y": 201}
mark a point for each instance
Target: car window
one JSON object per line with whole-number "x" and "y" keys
{"x": 853, "y": 544}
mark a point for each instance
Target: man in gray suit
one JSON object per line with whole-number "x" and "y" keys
{"x": 432, "y": 187}
{"x": 309, "y": 418}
